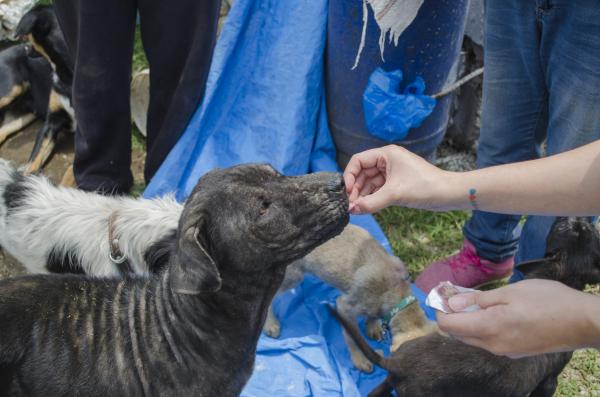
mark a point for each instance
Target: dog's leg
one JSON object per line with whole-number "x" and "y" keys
{"x": 46, "y": 139}
{"x": 382, "y": 390}
{"x": 294, "y": 275}
{"x": 15, "y": 92}
{"x": 546, "y": 388}
{"x": 68, "y": 179}
{"x": 272, "y": 325}
{"x": 375, "y": 329}
{"x": 15, "y": 126}
{"x": 408, "y": 325}
{"x": 358, "y": 358}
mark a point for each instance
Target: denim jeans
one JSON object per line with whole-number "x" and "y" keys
{"x": 541, "y": 84}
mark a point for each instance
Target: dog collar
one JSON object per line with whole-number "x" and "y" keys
{"x": 403, "y": 304}
{"x": 115, "y": 254}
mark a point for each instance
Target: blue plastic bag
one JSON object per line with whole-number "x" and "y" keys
{"x": 389, "y": 113}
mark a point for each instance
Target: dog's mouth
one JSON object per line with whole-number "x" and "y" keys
{"x": 334, "y": 216}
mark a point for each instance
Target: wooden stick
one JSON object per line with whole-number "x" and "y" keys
{"x": 459, "y": 83}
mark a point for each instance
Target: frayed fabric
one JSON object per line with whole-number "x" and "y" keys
{"x": 392, "y": 17}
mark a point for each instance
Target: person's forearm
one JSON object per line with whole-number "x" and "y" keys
{"x": 565, "y": 184}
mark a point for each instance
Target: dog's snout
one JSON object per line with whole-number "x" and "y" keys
{"x": 336, "y": 183}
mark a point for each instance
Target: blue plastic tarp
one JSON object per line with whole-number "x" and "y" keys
{"x": 265, "y": 103}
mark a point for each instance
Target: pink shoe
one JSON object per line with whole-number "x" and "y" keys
{"x": 466, "y": 269}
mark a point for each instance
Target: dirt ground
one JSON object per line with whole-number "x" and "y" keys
{"x": 17, "y": 149}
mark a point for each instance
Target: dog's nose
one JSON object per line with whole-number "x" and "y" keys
{"x": 337, "y": 183}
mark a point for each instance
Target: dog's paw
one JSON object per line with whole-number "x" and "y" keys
{"x": 362, "y": 363}
{"x": 399, "y": 339}
{"x": 272, "y": 329}
{"x": 375, "y": 330}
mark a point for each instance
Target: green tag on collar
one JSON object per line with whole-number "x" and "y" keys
{"x": 403, "y": 304}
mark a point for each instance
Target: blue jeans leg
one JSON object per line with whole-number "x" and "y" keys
{"x": 570, "y": 52}
{"x": 514, "y": 114}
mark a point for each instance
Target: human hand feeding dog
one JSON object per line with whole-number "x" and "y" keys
{"x": 193, "y": 328}
{"x": 392, "y": 175}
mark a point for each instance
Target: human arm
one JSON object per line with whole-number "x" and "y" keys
{"x": 526, "y": 318}
{"x": 564, "y": 184}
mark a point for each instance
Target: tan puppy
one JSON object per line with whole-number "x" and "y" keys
{"x": 374, "y": 284}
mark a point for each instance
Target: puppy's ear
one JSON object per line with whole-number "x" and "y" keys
{"x": 25, "y": 26}
{"x": 195, "y": 271}
{"x": 543, "y": 267}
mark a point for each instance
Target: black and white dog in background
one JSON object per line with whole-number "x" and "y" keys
{"x": 57, "y": 229}
{"x": 40, "y": 28}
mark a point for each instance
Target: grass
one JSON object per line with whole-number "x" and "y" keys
{"x": 138, "y": 141}
{"x": 420, "y": 237}
{"x": 582, "y": 376}
{"x": 140, "y": 61}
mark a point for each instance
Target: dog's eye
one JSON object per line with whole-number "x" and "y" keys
{"x": 264, "y": 207}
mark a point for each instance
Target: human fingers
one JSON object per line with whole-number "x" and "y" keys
{"x": 464, "y": 325}
{"x": 370, "y": 178}
{"x": 353, "y": 195}
{"x": 360, "y": 161}
{"x": 374, "y": 202}
{"x": 372, "y": 185}
{"x": 483, "y": 299}
{"x": 363, "y": 176}
{"x": 349, "y": 180}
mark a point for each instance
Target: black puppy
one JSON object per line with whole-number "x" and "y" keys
{"x": 25, "y": 81}
{"x": 189, "y": 331}
{"x": 40, "y": 27}
{"x": 436, "y": 365}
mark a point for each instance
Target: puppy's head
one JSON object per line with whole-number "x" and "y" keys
{"x": 572, "y": 254}
{"x": 40, "y": 27}
{"x": 249, "y": 219}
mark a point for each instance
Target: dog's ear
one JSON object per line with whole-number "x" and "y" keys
{"x": 542, "y": 267}
{"x": 196, "y": 271}
{"x": 25, "y": 26}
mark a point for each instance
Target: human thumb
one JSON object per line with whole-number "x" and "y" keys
{"x": 374, "y": 202}
{"x": 460, "y": 302}
{"x": 483, "y": 299}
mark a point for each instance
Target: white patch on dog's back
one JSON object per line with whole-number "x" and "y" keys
{"x": 69, "y": 220}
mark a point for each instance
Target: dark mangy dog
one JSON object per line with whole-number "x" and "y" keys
{"x": 40, "y": 27}
{"x": 189, "y": 331}
{"x": 25, "y": 82}
{"x": 435, "y": 365}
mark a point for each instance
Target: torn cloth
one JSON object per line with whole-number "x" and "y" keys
{"x": 11, "y": 12}
{"x": 392, "y": 17}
